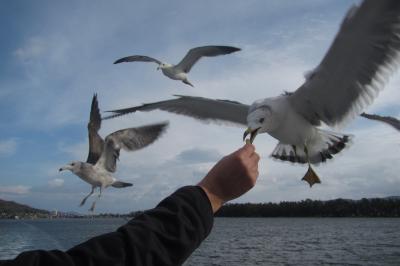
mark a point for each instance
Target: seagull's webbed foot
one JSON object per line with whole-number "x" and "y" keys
{"x": 94, "y": 202}
{"x": 310, "y": 177}
{"x": 82, "y": 202}
{"x": 93, "y": 206}
{"x": 85, "y": 198}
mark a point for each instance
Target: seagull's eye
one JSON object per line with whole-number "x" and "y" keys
{"x": 261, "y": 120}
{"x": 72, "y": 164}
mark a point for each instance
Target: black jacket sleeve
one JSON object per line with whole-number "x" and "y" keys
{"x": 165, "y": 235}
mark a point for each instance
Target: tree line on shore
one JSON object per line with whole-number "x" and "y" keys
{"x": 380, "y": 207}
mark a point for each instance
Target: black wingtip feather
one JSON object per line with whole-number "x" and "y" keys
{"x": 120, "y": 112}
{"x": 119, "y": 61}
{"x": 95, "y": 117}
{"x": 114, "y": 115}
{"x": 229, "y": 49}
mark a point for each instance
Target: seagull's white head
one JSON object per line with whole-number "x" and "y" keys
{"x": 74, "y": 167}
{"x": 163, "y": 66}
{"x": 259, "y": 120}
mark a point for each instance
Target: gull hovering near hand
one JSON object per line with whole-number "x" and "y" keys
{"x": 394, "y": 122}
{"x": 103, "y": 154}
{"x": 179, "y": 71}
{"x": 362, "y": 56}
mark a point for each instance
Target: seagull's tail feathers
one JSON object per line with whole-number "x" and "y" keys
{"x": 120, "y": 184}
{"x": 328, "y": 144}
{"x": 322, "y": 148}
{"x": 288, "y": 152}
{"x": 187, "y": 82}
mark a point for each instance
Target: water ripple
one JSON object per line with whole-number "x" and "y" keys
{"x": 238, "y": 241}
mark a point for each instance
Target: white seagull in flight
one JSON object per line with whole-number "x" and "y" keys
{"x": 179, "y": 71}
{"x": 364, "y": 53}
{"x": 103, "y": 155}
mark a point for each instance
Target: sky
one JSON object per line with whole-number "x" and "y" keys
{"x": 57, "y": 54}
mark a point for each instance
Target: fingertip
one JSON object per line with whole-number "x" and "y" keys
{"x": 249, "y": 146}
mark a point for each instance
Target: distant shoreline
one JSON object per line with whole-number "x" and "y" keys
{"x": 369, "y": 208}
{"x": 365, "y": 208}
{"x": 216, "y": 217}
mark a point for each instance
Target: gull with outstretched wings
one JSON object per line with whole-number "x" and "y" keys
{"x": 180, "y": 71}
{"x": 101, "y": 162}
{"x": 364, "y": 53}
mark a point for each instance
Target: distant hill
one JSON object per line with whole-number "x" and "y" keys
{"x": 367, "y": 207}
{"x": 11, "y": 209}
{"x": 393, "y": 198}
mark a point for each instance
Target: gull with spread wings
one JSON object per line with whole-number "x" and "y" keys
{"x": 364, "y": 53}
{"x": 103, "y": 154}
{"x": 180, "y": 71}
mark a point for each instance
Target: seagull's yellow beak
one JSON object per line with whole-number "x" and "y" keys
{"x": 253, "y": 133}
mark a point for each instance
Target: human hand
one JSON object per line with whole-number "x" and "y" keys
{"x": 232, "y": 176}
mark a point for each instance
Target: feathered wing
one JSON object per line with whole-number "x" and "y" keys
{"x": 355, "y": 68}
{"x": 195, "y": 54}
{"x": 129, "y": 139}
{"x": 385, "y": 119}
{"x": 96, "y": 143}
{"x": 137, "y": 58}
{"x": 204, "y": 109}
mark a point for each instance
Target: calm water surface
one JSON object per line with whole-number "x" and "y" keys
{"x": 238, "y": 241}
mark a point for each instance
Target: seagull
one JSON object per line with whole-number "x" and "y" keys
{"x": 394, "y": 122}
{"x": 364, "y": 53}
{"x": 179, "y": 71}
{"x": 103, "y": 154}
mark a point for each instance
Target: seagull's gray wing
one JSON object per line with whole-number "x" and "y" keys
{"x": 362, "y": 56}
{"x": 129, "y": 139}
{"x": 205, "y": 109}
{"x": 385, "y": 119}
{"x": 96, "y": 143}
{"x": 137, "y": 58}
{"x": 196, "y": 53}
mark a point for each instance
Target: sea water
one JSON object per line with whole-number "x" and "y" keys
{"x": 237, "y": 241}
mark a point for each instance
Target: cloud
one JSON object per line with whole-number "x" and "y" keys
{"x": 76, "y": 151}
{"x": 14, "y": 189}
{"x": 32, "y": 49}
{"x": 8, "y": 147}
{"x": 60, "y": 72}
{"x": 198, "y": 155}
{"x": 56, "y": 182}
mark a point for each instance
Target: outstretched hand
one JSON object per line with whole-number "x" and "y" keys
{"x": 232, "y": 176}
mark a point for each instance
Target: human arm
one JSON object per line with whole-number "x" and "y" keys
{"x": 167, "y": 234}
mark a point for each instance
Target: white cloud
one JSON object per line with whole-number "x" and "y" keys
{"x": 8, "y": 147}
{"x": 40, "y": 50}
{"x": 77, "y": 151}
{"x": 198, "y": 156}
{"x": 56, "y": 182}
{"x": 61, "y": 71}
{"x": 14, "y": 189}
{"x": 32, "y": 49}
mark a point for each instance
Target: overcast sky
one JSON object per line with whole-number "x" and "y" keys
{"x": 55, "y": 55}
